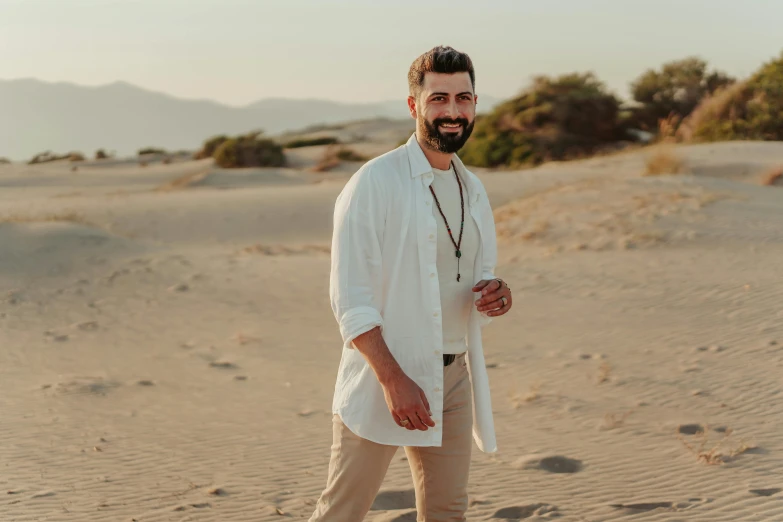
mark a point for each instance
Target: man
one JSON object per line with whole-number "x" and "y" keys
{"x": 412, "y": 282}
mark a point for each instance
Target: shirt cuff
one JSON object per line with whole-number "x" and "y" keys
{"x": 358, "y": 321}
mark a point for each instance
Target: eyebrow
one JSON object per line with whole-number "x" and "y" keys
{"x": 446, "y": 94}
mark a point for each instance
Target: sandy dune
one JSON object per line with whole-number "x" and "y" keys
{"x": 167, "y": 350}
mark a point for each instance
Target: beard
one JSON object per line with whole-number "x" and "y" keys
{"x": 450, "y": 142}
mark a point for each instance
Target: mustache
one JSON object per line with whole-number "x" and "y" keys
{"x": 440, "y": 121}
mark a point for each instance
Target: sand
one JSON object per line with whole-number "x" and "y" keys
{"x": 167, "y": 350}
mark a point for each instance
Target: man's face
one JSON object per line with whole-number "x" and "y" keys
{"x": 445, "y": 111}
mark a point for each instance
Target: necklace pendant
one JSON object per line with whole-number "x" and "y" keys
{"x": 458, "y": 276}
{"x": 458, "y": 254}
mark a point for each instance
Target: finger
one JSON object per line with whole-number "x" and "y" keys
{"x": 494, "y": 296}
{"x": 425, "y": 401}
{"x": 416, "y": 421}
{"x": 493, "y": 286}
{"x": 425, "y": 417}
{"x": 480, "y": 285}
{"x": 501, "y": 311}
{"x": 397, "y": 419}
{"x": 493, "y": 305}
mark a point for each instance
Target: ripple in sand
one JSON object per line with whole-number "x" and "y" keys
{"x": 526, "y": 511}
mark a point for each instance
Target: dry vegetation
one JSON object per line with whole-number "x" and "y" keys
{"x": 533, "y": 394}
{"x": 182, "y": 182}
{"x": 66, "y": 217}
{"x": 604, "y": 372}
{"x": 334, "y": 155}
{"x": 716, "y": 452}
{"x": 46, "y": 157}
{"x": 663, "y": 159}
{"x": 773, "y": 177}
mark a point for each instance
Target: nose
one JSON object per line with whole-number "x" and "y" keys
{"x": 451, "y": 109}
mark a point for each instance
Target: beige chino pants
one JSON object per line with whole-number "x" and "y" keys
{"x": 440, "y": 474}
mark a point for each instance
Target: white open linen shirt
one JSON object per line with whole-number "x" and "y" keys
{"x": 384, "y": 273}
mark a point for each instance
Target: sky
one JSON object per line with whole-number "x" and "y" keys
{"x": 239, "y": 51}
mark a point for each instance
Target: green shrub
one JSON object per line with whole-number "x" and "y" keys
{"x": 5, "y": 161}
{"x": 750, "y": 110}
{"x": 311, "y": 142}
{"x": 210, "y": 146}
{"x": 101, "y": 154}
{"x": 249, "y": 151}
{"x": 674, "y": 91}
{"x": 46, "y": 157}
{"x": 150, "y": 150}
{"x": 555, "y": 119}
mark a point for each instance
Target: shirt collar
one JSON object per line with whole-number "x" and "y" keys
{"x": 421, "y": 166}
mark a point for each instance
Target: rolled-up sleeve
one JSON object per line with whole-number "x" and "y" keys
{"x": 356, "y": 279}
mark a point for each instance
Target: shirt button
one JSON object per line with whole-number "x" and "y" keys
{"x": 428, "y": 203}
{"x": 435, "y": 314}
{"x": 432, "y": 274}
{"x": 437, "y": 352}
{"x": 437, "y": 389}
{"x": 432, "y": 236}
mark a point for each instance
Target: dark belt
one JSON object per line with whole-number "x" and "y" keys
{"x": 449, "y": 358}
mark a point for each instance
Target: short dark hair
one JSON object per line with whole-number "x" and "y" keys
{"x": 441, "y": 59}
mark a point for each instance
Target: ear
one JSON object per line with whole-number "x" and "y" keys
{"x": 412, "y": 107}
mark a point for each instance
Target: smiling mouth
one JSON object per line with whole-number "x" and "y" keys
{"x": 450, "y": 127}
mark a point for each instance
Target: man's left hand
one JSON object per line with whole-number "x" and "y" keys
{"x": 495, "y": 297}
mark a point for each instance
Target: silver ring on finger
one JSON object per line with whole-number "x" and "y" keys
{"x": 404, "y": 422}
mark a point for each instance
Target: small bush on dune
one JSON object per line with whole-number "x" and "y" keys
{"x": 560, "y": 118}
{"x": 150, "y": 150}
{"x": 334, "y": 155}
{"x": 311, "y": 142}
{"x": 4, "y": 161}
{"x": 750, "y": 110}
{"x": 210, "y": 146}
{"x": 676, "y": 89}
{"x": 46, "y": 157}
{"x": 664, "y": 160}
{"x": 101, "y": 154}
{"x": 249, "y": 151}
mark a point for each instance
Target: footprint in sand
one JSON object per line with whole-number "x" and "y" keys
{"x": 690, "y": 429}
{"x": 86, "y": 386}
{"x": 88, "y": 326}
{"x": 642, "y": 507}
{"x": 526, "y": 511}
{"x": 390, "y": 500}
{"x": 226, "y": 365}
{"x": 766, "y": 492}
{"x": 552, "y": 464}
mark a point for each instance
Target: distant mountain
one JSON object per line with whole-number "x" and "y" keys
{"x": 36, "y": 116}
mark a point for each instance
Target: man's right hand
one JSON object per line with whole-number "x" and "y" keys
{"x": 407, "y": 401}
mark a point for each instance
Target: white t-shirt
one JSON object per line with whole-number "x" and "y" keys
{"x": 456, "y": 296}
